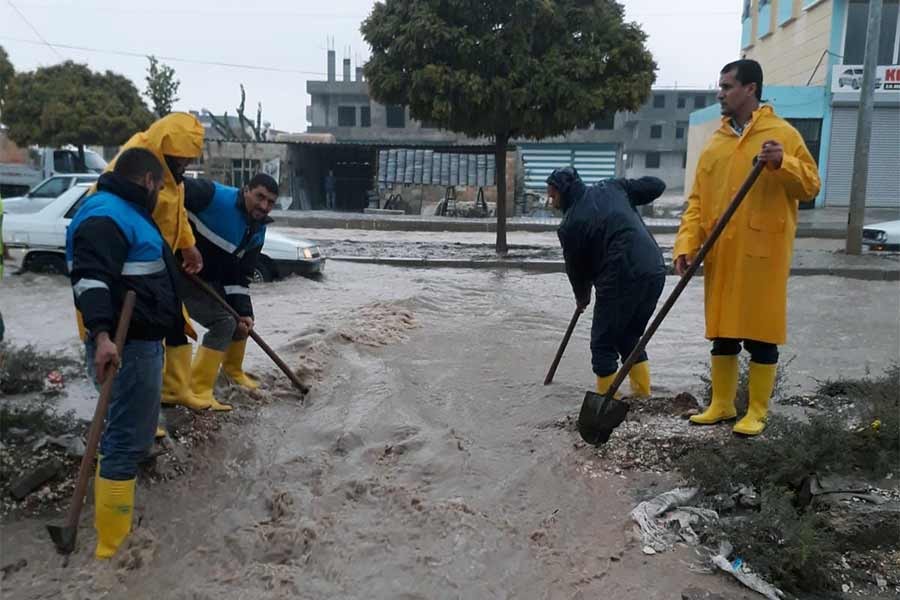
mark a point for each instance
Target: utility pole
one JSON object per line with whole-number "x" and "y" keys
{"x": 864, "y": 132}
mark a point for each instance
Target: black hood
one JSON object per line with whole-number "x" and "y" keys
{"x": 127, "y": 190}
{"x": 568, "y": 182}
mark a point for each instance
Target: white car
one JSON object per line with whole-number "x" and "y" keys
{"x": 882, "y": 236}
{"x": 46, "y": 192}
{"x": 41, "y": 235}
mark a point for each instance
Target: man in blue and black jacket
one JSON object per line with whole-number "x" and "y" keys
{"x": 607, "y": 246}
{"x": 230, "y": 227}
{"x": 113, "y": 246}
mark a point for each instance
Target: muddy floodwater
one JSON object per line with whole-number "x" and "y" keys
{"x": 426, "y": 462}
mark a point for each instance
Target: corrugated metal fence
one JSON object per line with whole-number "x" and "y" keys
{"x": 428, "y": 167}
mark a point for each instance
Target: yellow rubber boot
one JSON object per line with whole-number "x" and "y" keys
{"x": 177, "y": 379}
{"x": 640, "y": 379}
{"x": 160, "y": 432}
{"x": 604, "y": 383}
{"x": 762, "y": 384}
{"x": 725, "y": 372}
{"x": 233, "y": 367}
{"x": 204, "y": 371}
{"x": 113, "y": 510}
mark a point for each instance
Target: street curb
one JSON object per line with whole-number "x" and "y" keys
{"x": 556, "y": 266}
{"x": 460, "y": 226}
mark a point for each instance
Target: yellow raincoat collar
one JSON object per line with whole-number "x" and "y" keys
{"x": 764, "y": 111}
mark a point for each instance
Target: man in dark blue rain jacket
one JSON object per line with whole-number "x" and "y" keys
{"x": 606, "y": 245}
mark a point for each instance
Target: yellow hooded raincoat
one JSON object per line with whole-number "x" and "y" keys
{"x": 180, "y": 135}
{"x": 746, "y": 273}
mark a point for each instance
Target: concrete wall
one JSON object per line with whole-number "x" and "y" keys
{"x": 793, "y": 45}
{"x": 702, "y": 128}
{"x": 670, "y": 168}
{"x": 10, "y": 152}
{"x": 218, "y": 157}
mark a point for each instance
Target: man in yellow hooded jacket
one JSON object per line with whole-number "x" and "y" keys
{"x": 175, "y": 140}
{"x": 746, "y": 273}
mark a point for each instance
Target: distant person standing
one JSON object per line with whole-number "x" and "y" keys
{"x": 330, "y": 195}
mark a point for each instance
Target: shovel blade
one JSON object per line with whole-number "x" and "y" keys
{"x": 63, "y": 538}
{"x": 599, "y": 416}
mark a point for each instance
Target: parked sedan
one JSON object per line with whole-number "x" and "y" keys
{"x": 46, "y": 192}
{"x": 882, "y": 236}
{"x": 40, "y": 232}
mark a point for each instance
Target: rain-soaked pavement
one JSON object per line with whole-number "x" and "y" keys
{"x": 426, "y": 462}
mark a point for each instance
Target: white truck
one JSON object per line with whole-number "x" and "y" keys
{"x": 16, "y": 179}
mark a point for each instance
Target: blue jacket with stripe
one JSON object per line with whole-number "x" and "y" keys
{"x": 229, "y": 240}
{"x": 112, "y": 246}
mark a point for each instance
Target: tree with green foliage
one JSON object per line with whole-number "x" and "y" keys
{"x": 162, "y": 87}
{"x": 507, "y": 70}
{"x": 7, "y": 72}
{"x": 70, "y": 104}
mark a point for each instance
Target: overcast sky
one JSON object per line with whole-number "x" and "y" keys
{"x": 689, "y": 43}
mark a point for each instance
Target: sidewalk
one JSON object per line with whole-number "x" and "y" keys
{"x": 815, "y": 223}
{"x": 806, "y": 263}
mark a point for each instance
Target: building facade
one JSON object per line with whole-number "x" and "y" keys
{"x": 812, "y": 53}
{"x": 650, "y": 141}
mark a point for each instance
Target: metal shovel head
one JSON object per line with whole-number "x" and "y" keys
{"x": 63, "y": 538}
{"x": 599, "y": 417}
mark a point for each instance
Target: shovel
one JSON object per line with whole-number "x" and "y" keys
{"x": 259, "y": 341}
{"x": 601, "y": 414}
{"x": 562, "y": 348}
{"x": 64, "y": 537}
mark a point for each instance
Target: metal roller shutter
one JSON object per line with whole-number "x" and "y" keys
{"x": 593, "y": 162}
{"x": 882, "y": 190}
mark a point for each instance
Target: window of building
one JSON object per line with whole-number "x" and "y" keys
{"x": 346, "y": 116}
{"x": 396, "y": 116}
{"x": 655, "y": 132}
{"x": 242, "y": 171}
{"x": 659, "y": 101}
{"x": 365, "y": 116}
{"x": 684, "y": 160}
{"x": 652, "y": 160}
{"x": 682, "y": 102}
{"x": 607, "y": 122}
{"x": 629, "y": 160}
{"x": 699, "y": 101}
{"x": 745, "y": 14}
{"x": 855, "y": 36}
{"x": 679, "y": 131}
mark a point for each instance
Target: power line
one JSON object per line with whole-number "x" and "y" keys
{"x": 224, "y": 12}
{"x": 34, "y": 29}
{"x": 168, "y": 58}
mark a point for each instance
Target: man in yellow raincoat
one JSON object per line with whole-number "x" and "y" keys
{"x": 175, "y": 140}
{"x": 746, "y": 273}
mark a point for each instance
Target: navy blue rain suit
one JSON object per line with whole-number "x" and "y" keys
{"x": 606, "y": 244}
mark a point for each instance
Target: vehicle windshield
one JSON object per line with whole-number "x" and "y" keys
{"x": 51, "y": 188}
{"x": 94, "y": 162}
{"x": 66, "y": 161}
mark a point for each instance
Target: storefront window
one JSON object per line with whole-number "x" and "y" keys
{"x": 855, "y": 38}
